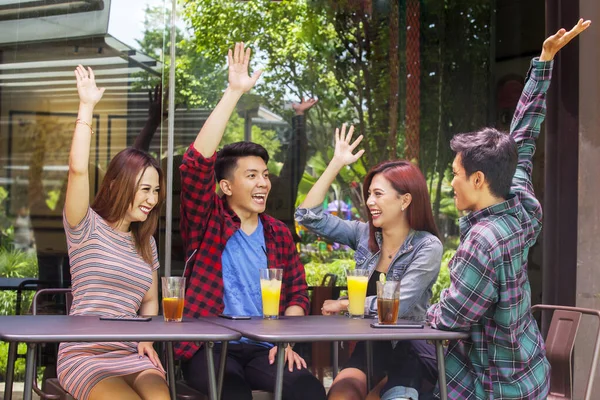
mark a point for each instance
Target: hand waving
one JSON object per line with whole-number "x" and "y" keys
{"x": 86, "y": 86}
{"x": 239, "y": 80}
{"x": 343, "y": 148}
{"x": 304, "y": 105}
{"x": 554, "y": 43}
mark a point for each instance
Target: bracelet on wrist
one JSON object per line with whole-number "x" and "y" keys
{"x": 82, "y": 122}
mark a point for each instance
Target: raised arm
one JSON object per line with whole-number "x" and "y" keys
{"x": 342, "y": 156}
{"x": 78, "y": 199}
{"x": 529, "y": 115}
{"x": 531, "y": 110}
{"x": 155, "y": 114}
{"x": 210, "y": 135}
{"x": 295, "y": 160}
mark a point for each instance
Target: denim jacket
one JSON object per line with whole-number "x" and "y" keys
{"x": 416, "y": 264}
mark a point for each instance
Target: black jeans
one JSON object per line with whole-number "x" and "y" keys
{"x": 415, "y": 366}
{"x": 247, "y": 368}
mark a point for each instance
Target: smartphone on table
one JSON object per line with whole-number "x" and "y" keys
{"x": 234, "y": 317}
{"x": 402, "y": 325}
{"x": 136, "y": 319}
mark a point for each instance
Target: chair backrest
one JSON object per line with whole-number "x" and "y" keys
{"x": 559, "y": 348}
{"x": 66, "y": 291}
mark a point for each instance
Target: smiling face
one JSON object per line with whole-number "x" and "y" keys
{"x": 385, "y": 203}
{"x": 248, "y": 186}
{"x": 146, "y": 196}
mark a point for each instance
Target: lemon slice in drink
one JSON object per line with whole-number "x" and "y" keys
{"x": 382, "y": 278}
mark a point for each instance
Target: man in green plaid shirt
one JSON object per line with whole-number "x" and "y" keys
{"x": 489, "y": 294}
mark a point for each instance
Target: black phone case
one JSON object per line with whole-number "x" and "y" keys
{"x": 397, "y": 326}
{"x": 234, "y": 317}
{"x": 140, "y": 319}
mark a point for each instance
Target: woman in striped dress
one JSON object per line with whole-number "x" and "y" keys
{"x": 114, "y": 263}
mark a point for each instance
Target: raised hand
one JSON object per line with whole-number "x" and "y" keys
{"x": 86, "y": 86}
{"x": 239, "y": 80}
{"x": 155, "y": 104}
{"x": 554, "y": 43}
{"x": 343, "y": 148}
{"x": 304, "y": 105}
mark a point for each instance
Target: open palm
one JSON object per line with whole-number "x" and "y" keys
{"x": 560, "y": 39}
{"x": 238, "y": 69}
{"x": 88, "y": 92}
{"x": 343, "y": 147}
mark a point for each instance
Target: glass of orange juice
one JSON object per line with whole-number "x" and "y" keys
{"x": 357, "y": 292}
{"x": 173, "y": 293}
{"x": 270, "y": 287}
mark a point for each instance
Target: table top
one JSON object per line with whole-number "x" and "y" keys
{"x": 13, "y": 283}
{"x": 319, "y": 328}
{"x": 62, "y": 328}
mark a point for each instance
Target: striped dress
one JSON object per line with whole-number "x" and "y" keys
{"x": 109, "y": 279}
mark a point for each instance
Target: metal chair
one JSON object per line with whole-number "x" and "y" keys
{"x": 559, "y": 349}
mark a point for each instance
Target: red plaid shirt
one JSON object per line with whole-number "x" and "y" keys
{"x": 207, "y": 222}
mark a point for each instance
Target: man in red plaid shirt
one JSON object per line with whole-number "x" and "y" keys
{"x": 227, "y": 240}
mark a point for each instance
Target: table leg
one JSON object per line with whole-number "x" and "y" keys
{"x": 210, "y": 362}
{"x": 280, "y": 366}
{"x": 10, "y": 370}
{"x": 441, "y": 364}
{"x": 29, "y": 371}
{"x": 171, "y": 370}
{"x": 222, "y": 368}
{"x": 369, "y": 348}
{"x": 336, "y": 358}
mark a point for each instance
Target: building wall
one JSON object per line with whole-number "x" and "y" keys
{"x": 588, "y": 263}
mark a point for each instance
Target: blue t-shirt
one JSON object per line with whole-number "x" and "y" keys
{"x": 242, "y": 258}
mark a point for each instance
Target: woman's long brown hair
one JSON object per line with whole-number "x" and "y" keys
{"x": 404, "y": 177}
{"x": 117, "y": 193}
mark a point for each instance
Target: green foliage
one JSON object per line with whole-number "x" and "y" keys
{"x": 7, "y": 230}
{"x": 443, "y": 281}
{"x": 16, "y": 264}
{"x": 319, "y": 263}
{"x": 234, "y": 132}
{"x": 19, "y": 362}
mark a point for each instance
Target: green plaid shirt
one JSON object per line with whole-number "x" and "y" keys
{"x": 489, "y": 294}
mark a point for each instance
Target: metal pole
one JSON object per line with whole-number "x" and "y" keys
{"x": 29, "y": 371}
{"x": 170, "y": 144}
{"x": 222, "y": 368}
{"x": 171, "y": 370}
{"x": 369, "y": 350}
{"x": 210, "y": 363}
{"x": 10, "y": 370}
{"x": 336, "y": 358}
{"x": 439, "y": 352}
{"x": 280, "y": 365}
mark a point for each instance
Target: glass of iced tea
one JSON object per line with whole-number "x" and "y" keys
{"x": 388, "y": 302}
{"x": 173, "y": 293}
{"x": 270, "y": 287}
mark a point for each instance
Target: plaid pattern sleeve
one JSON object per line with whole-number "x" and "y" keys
{"x": 525, "y": 129}
{"x": 473, "y": 289}
{"x": 198, "y": 195}
{"x": 282, "y": 254}
{"x": 489, "y": 294}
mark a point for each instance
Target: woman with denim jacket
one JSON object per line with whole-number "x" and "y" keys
{"x": 400, "y": 240}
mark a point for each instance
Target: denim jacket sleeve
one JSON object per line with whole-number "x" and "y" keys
{"x": 330, "y": 226}
{"x": 419, "y": 277}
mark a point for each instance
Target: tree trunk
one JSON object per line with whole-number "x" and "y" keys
{"x": 394, "y": 77}
{"x": 413, "y": 80}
